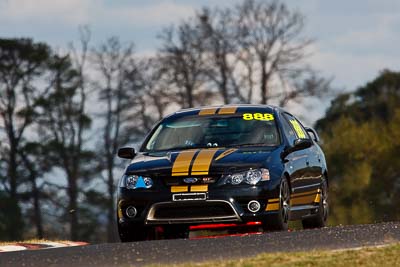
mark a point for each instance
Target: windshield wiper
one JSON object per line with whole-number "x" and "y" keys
{"x": 183, "y": 148}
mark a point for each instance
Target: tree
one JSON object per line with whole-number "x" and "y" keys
{"x": 182, "y": 62}
{"x": 235, "y": 53}
{"x": 272, "y": 33}
{"x": 64, "y": 121}
{"x": 222, "y": 55}
{"x": 377, "y": 99}
{"x": 31, "y": 157}
{"x": 360, "y": 135}
{"x": 10, "y": 218}
{"x": 120, "y": 90}
{"x": 22, "y": 64}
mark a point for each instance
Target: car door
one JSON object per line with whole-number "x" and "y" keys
{"x": 299, "y": 160}
{"x": 316, "y": 157}
{"x": 296, "y": 161}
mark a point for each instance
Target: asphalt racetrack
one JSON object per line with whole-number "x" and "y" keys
{"x": 197, "y": 250}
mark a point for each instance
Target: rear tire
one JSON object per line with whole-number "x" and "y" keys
{"x": 320, "y": 218}
{"x": 279, "y": 221}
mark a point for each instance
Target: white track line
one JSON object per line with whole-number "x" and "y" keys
{"x": 53, "y": 244}
{"x": 8, "y": 248}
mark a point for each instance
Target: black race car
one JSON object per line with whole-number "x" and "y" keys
{"x": 228, "y": 164}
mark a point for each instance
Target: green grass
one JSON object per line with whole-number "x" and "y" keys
{"x": 372, "y": 256}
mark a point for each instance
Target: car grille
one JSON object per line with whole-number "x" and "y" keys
{"x": 169, "y": 181}
{"x": 202, "y": 211}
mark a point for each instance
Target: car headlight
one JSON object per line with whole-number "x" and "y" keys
{"x": 136, "y": 181}
{"x": 250, "y": 177}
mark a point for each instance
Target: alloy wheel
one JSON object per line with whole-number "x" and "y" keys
{"x": 284, "y": 196}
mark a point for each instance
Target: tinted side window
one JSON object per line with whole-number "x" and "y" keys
{"x": 299, "y": 130}
{"x": 288, "y": 130}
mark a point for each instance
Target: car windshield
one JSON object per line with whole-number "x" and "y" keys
{"x": 212, "y": 131}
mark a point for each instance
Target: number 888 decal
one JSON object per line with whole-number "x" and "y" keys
{"x": 258, "y": 116}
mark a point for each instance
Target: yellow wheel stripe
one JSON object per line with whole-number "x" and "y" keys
{"x": 302, "y": 200}
{"x": 272, "y": 206}
{"x": 317, "y": 198}
{"x": 304, "y": 193}
{"x": 120, "y": 215}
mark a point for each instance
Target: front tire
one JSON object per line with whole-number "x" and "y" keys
{"x": 135, "y": 232}
{"x": 320, "y": 218}
{"x": 176, "y": 231}
{"x": 279, "y": 221}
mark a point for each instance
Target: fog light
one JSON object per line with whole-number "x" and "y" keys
{"x": 131, "y": 212}
{"x": 254, "y": 206}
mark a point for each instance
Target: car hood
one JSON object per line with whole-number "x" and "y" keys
{"x": 197, "y": 162}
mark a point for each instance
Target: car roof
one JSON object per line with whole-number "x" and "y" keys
{"x": 223, "y": 110}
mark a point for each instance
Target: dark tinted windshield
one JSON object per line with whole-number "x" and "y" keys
{"x": 214, "y": 131}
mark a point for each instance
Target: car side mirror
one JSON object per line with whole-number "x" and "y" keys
{"x": 313, "y": 133}
{"x": 126, "y": 152}
{"x": 300, "y": 144}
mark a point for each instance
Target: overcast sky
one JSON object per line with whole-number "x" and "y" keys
{"x": 354, "y": 39}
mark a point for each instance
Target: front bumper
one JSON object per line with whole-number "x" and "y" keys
{"x": 208, "y": 211}
{"x": 225, "y": 204}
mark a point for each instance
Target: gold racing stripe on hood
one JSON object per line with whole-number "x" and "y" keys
{"x": 227, "y": 110}
{"x": 208, "y": 111}
{"x": 226, "y": 153}
{"x": 182, "y": 163}
{"x": 202, "y": 162}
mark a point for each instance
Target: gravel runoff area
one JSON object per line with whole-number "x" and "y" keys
{"x": 200, "y": 250}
